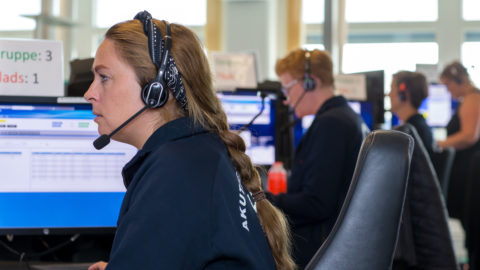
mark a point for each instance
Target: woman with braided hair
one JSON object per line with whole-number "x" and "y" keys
{"x": 194, "y": 200}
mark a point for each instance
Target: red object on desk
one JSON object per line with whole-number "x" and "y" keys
{"x": 277, "y": 179}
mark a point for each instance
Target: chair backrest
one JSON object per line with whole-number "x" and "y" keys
{"x": 366, "y": 230}
{"x": 472, "y": 210}
{"x": 442, "y": 160}
{"x": 424, "y": 240}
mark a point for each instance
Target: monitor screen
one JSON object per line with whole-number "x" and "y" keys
{"x": 52, "y": 177}
{"x": 240, "y": 109}
{"x": 437, "y": 107}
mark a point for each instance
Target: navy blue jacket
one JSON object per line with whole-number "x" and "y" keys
{"x": 423, "y": 130}
{"x": 321, "y": 173}
{"x": 185, "y": 208}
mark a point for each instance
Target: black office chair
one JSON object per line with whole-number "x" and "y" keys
{"x": 442, "y": 160}
{"x": 424, "y": 241}
{"x": 472, "y": 212}
{"x": 366, "y": 230}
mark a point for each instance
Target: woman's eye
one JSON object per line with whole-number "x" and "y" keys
{"x": 103, "y": 78}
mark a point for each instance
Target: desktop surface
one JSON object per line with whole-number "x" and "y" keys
{"x": 15, "y": 265}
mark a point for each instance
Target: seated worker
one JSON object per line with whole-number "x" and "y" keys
{"x": 326, "y": 155}
{"x": 194, "y": 199}
{"x": 408, "y": 90}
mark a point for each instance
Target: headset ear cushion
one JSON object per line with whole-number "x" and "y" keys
{"x": 402, "y": 88}
{"x": 154, "y": 95}
{"x": 308, "y": 83}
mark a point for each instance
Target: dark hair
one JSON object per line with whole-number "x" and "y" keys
{"x": 456, "y": 72}
{"x": 204, "y": 108}
{"x": 321, "y": 65}
{"x": 415, "y": 84}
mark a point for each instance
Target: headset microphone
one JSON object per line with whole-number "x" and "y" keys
{"x": 291, "y": 112}
{"x": 104, "y": 139}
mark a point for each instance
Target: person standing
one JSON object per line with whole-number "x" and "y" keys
{"x": 463, "y": 133}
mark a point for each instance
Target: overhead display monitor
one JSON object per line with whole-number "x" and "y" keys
{"x": 234, "y": 70}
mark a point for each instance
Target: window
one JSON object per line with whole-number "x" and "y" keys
{"x": 313, "y": 12}
{"x": 471, "y": 60}
{"x": 12, "y": 16}
{"x": 172, "y": 11}
{"x": 390, "y": 57}
{"x": 391, "y": 10}
{"x": 470, "y": 10}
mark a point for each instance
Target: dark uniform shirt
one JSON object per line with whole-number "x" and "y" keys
{"x": 322, "y": 170}
{"x": 423, "y": 130}
{"x": 185, "y": 207}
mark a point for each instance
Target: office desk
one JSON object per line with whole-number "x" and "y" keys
{"x": 12, "y": 265}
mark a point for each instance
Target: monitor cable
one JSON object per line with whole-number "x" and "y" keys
{"x": 262, "y": 108}
{"x": 24, "y": 257}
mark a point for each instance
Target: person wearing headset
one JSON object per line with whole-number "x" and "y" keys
{"x": 193, "y": 199}
{"x": 463, "y": 133}
{"x": 408, "y": 90}
{"x": 326, "y": 155}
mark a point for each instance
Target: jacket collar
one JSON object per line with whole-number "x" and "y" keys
{"x": 330, "y": 103}
{"x": 171, "y": 131}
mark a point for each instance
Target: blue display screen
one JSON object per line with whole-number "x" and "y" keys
{"x": 59, "y": 210}
{"x": 52, "y": 176}
{"x": 259, "y": 138}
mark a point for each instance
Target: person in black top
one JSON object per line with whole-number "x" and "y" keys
{"x": 463, "y": 132}
{"x": 194, "y": 199}
{"x": 326, "y": 155}
{"x": 408, "y": 90}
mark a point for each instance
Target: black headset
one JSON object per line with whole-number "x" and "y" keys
{"x": 308, "y": 81}
{"x": 155, "y": 93}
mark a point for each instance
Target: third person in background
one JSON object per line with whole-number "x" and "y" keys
{"x": 463, "y": 132}
{"x": 408, "y": 90}
{"x": 326, "y": 156}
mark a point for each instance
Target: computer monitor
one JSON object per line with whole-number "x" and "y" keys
{"x": 375, "y": 103}
{"x": 53, "y": 180}
{"x": 438, "y": 107}
{"x": 234, "y": 70}
{"x": 240, "y": 108}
